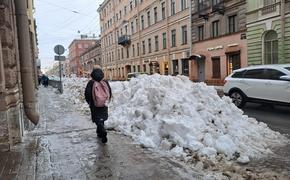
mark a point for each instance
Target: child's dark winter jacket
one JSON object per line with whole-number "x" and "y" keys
{"x": 98, "y": 113}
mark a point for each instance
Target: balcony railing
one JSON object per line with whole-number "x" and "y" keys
{"x": 202, "y": 8}
{"x": 219, "y": 7}
{"x": 269, "y": 8}
{"x": 124, "y": 40}
{"x": 205, "y": 7}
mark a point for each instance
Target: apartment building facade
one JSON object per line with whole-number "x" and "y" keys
{"x": 268, "y": 31}
{"x": 219, "y": 39}
{"x": 76, "y": 48}
{"x": 91, "y": 57}
{"x": 17, "y": 71}
{"x": 145, "y": 36}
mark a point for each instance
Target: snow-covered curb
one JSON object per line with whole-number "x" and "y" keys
{"x": 174, "y": 115}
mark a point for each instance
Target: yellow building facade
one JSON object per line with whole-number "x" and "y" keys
{"x": 145, "y": 36}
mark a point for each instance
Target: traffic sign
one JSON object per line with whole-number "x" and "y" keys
{"x": 59, "y": 49}
{"x": 59, "y": 58}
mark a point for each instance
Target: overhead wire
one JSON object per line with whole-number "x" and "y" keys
{"x": 71, "y": 18}
{"x": 63, "y": 8}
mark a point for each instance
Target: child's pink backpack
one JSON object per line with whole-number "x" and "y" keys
{"x": 101, "y": 93}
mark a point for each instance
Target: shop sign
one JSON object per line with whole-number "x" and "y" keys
{"x": 215, "y": 48}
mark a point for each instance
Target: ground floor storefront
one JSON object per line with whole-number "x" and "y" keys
{"x": 212, "y": 60}
{"x": 173, "y": 63}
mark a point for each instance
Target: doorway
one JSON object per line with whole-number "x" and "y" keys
{"x": 201, "y": 70}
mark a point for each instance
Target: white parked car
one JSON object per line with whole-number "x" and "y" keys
{"x": 262, "y": 84}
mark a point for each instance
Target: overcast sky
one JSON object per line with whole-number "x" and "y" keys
{"x": 61, "y": 21}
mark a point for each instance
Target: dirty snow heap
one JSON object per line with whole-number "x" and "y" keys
{"x": 173, "y": 115}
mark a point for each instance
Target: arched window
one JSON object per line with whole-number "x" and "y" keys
{"x": 271, "y": 47}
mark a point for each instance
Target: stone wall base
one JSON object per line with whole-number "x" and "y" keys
{"x": 11, "y": 127}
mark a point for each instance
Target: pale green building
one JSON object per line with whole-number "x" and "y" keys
{"x": 268, "y": 31}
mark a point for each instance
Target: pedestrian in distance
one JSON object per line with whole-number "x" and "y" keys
{"x": 44, "y": 80}
{"x": 97, "y": 93}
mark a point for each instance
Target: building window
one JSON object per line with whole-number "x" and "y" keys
{"x": 232, "y": 23}
{"x": 185, "y": 67}
{"x": 128, "y": 53}
{"x": 184, "y": 34}
{"x": 200, "y": 33}
{"x": 126, "y": 29}
{"x": 164, "y": 42}
{"x": 118, "y": 54}
{"x": 271, "y": 47}
{"x": 138, "y": 51}
{"x": 134, "y": 68}
{"x": 175, "y": 67}
{"x": 148, "y": 18}
{"x": 132, "y": 27}
{"x": 172, "y": 7}
{"x": 183, "y": 5}
{"x": 156, "y": 43}
{"x": 215, "y": 2}
{"x": 122, "y": 53}
{"x": 163, "y": 10}
{"x": 173, "y": 38}
{"x": 136, "y": 21}
{"x": 269, "y": 6}
{"x": 234, "y": 62}
{"x": 149, "y": 45}
{"x": 138, "y": 68}
{"x": 215, "y": 29}
{"x": 131, "y": 6}
{"x": 133, "y": 49}
{"x": 216, "y": 67}
{"x": 125, "y": 10}
{"x": 155, "y": 15}
{"x": 144, "y": 48}
{"x": 142, "y": 22}
{"x": 144, "y": 67}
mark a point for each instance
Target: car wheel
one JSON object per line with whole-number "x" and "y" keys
{"x": 238, "y": 98}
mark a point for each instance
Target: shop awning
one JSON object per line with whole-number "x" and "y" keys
{"x": 197, "y": 57}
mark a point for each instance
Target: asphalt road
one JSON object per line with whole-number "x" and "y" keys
{"x": 276, "y": 117}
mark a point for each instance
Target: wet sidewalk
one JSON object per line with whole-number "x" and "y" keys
{"x": 65, "y": 146}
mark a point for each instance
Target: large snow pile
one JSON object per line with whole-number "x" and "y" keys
{"x": 74, "y": 89}
{"x": 174, "y": 115}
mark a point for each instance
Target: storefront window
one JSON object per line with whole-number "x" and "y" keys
{"x": 185, "y": 67}
{"x": 166, "y": 68}
{"x": 234, "y": 62}
{"x": 175, "y": 66}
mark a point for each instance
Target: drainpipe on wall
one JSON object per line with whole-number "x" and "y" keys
{"x": 2, "y": 75}
{"x": 283, "y": 29}
{"x": 190, "y": 19}
{"x": 26, "y": 67}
